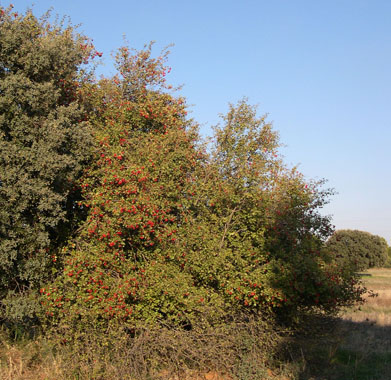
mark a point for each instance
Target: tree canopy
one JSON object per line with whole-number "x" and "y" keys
{"x": 358, "y": 248}
{"x": 44, "y": 145}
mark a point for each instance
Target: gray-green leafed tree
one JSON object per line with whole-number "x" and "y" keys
{"x": 44, "y": 143}
{"x": 359, "y": 249}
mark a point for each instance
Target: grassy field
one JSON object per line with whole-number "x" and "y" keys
{"x": 377, "y": 309}
{"x": 357, "y": 345}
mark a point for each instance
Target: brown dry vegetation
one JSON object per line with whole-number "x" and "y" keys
{"x": 377, "y": 309}
{"x": 243, "y": 351}
{"x": 355, "y": 346}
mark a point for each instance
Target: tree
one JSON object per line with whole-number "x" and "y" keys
{"x": 44, "y": 144}
{"x": 358, "y": 249}
{"x": 270, "y": 224}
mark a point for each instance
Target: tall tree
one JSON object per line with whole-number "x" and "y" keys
{"x": 44, "y": 143}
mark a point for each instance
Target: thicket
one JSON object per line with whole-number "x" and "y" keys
{"x": 179, "y": 236}
{"x": 116, "y": 216}
{"x": 358, "y": 249}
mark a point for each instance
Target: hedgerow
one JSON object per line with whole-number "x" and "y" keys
{"x": 182, "y": 234}
{"x": 114, "y": 207}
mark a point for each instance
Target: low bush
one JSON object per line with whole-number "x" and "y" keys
{"x": 243, "y": 349}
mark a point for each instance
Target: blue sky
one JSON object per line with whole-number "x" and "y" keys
{"x": 320, "y": 69}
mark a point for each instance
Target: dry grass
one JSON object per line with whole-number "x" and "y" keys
{"x": 355, "y": 346}
{"x": 241, "y": 351}
{"x": 377, "y": 309}
{"x": 29, "y": 361}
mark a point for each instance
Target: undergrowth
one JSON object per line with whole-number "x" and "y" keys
{"x": 240, "y": 350}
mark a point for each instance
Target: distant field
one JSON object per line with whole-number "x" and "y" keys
{"x": 359, "y": 345}
{"x": 376, "y": 309}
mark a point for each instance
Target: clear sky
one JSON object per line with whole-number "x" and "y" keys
{"x": 320, "y": 69}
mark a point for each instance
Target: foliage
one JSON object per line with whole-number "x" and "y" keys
{"x": 270, "y": 223}
{"x": 44, "y": 143}
{"x": 134, "y": 229}
{"x": 126, "y": 261}
{"x": 388, "y": 262}
{"x": 179, "y": 236}
{"x": 358, "y": 249}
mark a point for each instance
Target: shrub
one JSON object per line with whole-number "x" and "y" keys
{"x": 241, "y": 349}
{"x": 358, "y": 249}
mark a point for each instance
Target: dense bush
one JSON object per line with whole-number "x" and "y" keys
{"x": 44, "y": 145}
{"x": 179, "y": 236}
{"x": 110, "y": 200}
{"x": 359, "y": 249}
